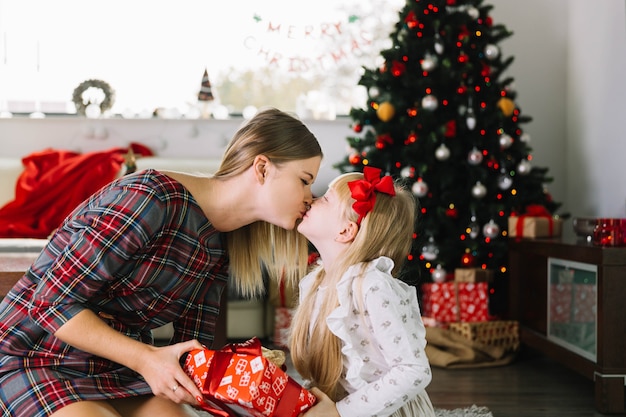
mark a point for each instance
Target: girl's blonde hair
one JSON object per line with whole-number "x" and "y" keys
{"x": 261, "y": 246}
{"x": 387, "y": 230}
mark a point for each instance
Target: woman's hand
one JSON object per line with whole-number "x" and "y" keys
{"x": 325, "y": 407}
{"x": 161, "y": 369}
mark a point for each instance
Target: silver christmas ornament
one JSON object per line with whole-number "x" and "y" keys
{"x": 430, "y": 250}
{"x": 524, "y": 167}
{"x": 473, "y": 228}
{"x": 471, "y": 119}
{"x": 439, "y": 275}
{"x": 525, "y": 137}
{"x": 505, "y": 141}
{"x": 492, "y": 52}
{"x": 442, "y": 152}
{"x": 474, "y": 157}
{"x": 479, "y": 190}
{"x": 505, "y": 181}
{"x": 407, "y": 172}
{"x": 491, "y": 229}
{"x": 429, "y": 62}
{"x": 430, "y": 102}
{"x": 419, "y": 188}
{"x": 473, "y": 12}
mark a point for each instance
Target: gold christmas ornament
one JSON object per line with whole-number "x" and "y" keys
{"x": 507, "y": 106}
{"x": 385, "y": 111}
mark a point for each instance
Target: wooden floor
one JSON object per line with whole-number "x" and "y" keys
{"x": 529, "y": 387}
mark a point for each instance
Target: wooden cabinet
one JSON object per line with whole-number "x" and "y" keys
{"x": 530, "y": 261}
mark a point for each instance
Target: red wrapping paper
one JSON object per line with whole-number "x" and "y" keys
{"x": 238, "y": 380}
{"x": 451, "y": 302}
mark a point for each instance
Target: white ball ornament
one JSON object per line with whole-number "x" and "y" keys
{"x": 473, "y": 12}
{"x": 429, "y": 63}
{"x": 374, "y": 92}
{"x": 524, "y": 167}
{"x": 439, "y": 275}
{"x": 492, "y": 52}
{"x": 430, "y": 102}
{"x": 442, "y": 153}
{"x": 407, "y": 172}
{"x": 471, "y": 119}
{"x": 430, "y": 250}
{"x": 479, "y": 190}
{"x": 439, "y": 48}
{"x": 491, "y": 229}
{"x": 474, "y": 228}
{"x": 505, "y": 141}
{"x": 505, "y": 181}
{"x": 419, "y": 188}
{"x": 475, "y": 157}
{"x": 525, "y": 137}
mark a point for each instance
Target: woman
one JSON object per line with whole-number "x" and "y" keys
{"x": 149, "y": 249}
{"x": 357, "y": 335}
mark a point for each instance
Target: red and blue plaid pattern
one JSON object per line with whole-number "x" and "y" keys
{"x": 140, "y": 253}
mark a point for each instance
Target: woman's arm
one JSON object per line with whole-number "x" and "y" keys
{"x": 158, "y": 365}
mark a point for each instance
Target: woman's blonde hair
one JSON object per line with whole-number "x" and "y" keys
{"x": 262, "y": 247}
{"x": 387, "y": 230}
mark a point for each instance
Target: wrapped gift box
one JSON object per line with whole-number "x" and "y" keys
{"x": 239, "y": 380}
{"x": 473, "y": 275}
{"x": 282, "y": 326}
{"x": 439, "y": 302}
{"x": 532, "y": 227}
{"x": 501, "y": 333}
{"x": 561, "y": 303}
{"x": 585, "y": 304}
{"x": 450, "y": 302}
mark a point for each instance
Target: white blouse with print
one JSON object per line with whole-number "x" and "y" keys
{"x": 383, "y": 349}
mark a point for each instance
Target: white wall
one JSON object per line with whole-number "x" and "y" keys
{"x": 596, "y": 91}
{"x": 21, "y": 136}
{"x": 569, "y": 71}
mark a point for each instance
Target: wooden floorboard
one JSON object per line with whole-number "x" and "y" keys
{"x": 531, "y": 386}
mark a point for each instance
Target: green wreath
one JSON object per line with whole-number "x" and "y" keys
{"x": 105, "y": 104}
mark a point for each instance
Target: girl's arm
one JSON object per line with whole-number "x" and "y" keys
{"x": 158, "y": 365}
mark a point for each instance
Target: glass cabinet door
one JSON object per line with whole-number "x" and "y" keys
{"x": 572, "y": 306}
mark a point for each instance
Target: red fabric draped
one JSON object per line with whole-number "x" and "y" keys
{"x": 53, "y": 183}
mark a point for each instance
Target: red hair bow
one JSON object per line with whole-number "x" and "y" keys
{"x": 363, "y": 191}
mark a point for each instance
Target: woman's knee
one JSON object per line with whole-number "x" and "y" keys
{"x": 151, "y": 406}
{"x": 87, "y": 408}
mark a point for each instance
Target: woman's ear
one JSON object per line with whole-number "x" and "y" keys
{"x": 260, "y": 167}
{"x": 348, "y": 233}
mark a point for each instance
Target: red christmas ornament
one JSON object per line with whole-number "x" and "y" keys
{"x": 450, "y": 129}
{"x": 486, "y": 70}
{"x": 355, "y": 159}
{"x": 453, "y": 213}
{"x": 397, "y": 68}
{"x": 358, "y": 127}
{"x": 411, "y": 20}
{"x": 383, "y": 140}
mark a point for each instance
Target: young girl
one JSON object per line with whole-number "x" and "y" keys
{"x": 357, "y": 335}
{"x": 149, "y": 249}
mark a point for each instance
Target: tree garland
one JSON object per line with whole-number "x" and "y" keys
{"x": 79, "y": 100}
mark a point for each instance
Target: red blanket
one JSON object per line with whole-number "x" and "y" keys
{"x": 53, "y": 183}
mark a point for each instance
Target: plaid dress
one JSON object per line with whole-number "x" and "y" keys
{"x": 140, "y": 253}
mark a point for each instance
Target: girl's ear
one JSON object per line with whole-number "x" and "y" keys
{"x": 260, "y": 167}
{"x": 348, "y": 233}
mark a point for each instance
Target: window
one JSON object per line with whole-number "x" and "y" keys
{"x": 302, "y": 56}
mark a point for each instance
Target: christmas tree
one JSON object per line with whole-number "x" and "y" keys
{"x": 442, "y": 116}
